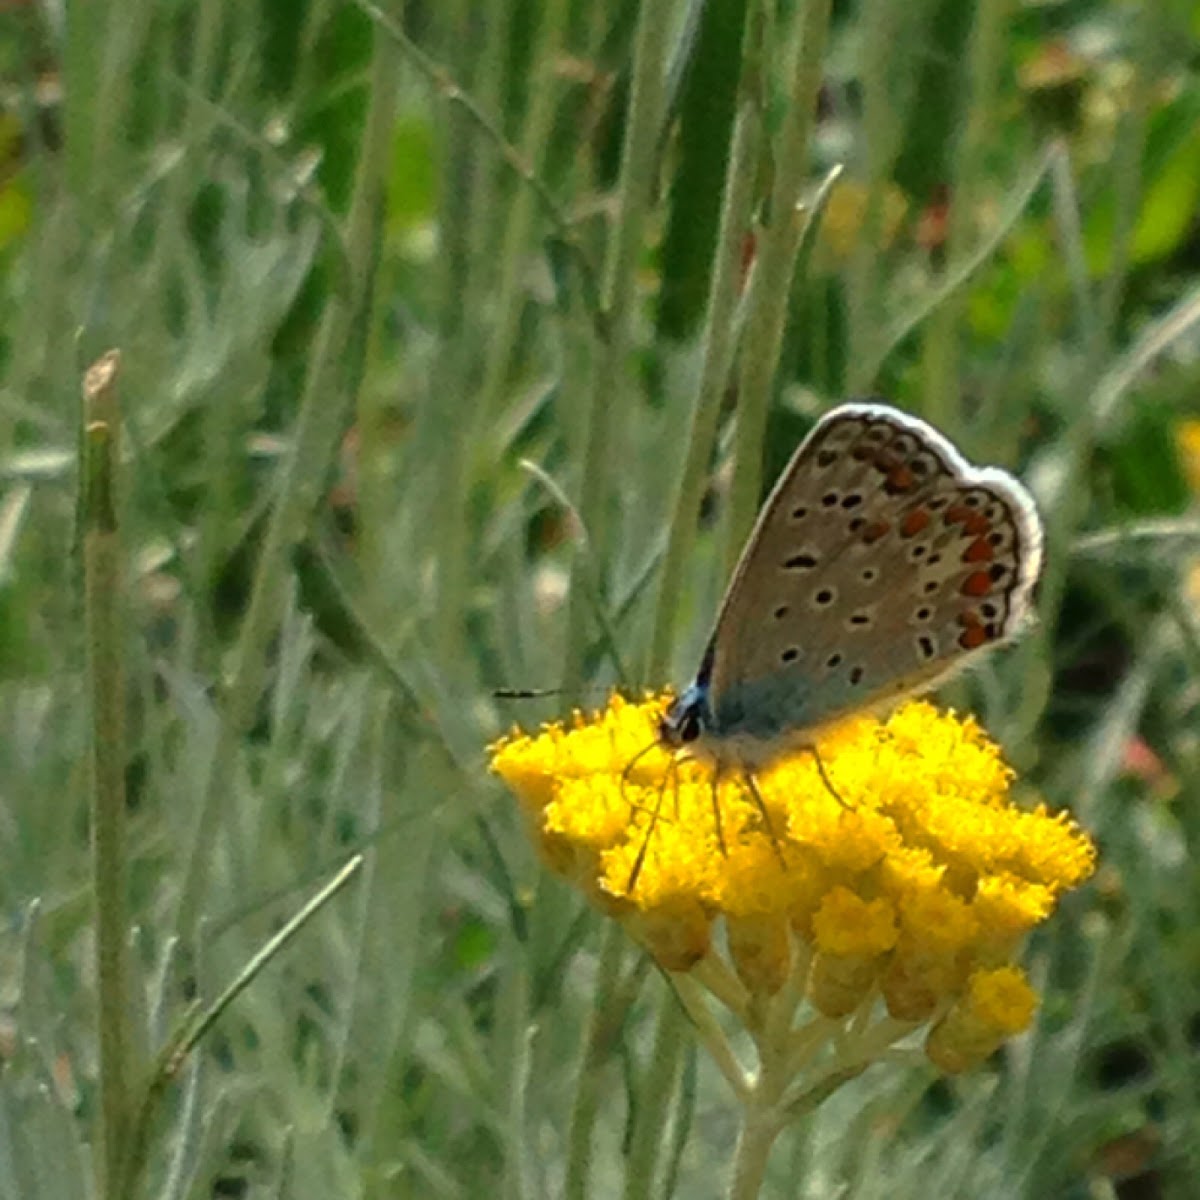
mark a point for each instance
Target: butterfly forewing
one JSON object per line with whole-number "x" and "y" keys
{"x": 880, "y": 563}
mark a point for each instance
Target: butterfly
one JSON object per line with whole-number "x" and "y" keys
{"x": 881, "y": 563}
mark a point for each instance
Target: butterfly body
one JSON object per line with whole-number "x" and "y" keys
{"x": 881, "y": 563}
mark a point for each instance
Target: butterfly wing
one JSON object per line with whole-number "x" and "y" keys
{"x": 880, "y": 563}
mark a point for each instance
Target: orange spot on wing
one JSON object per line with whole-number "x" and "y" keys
{"x": 978, "y": 583}
{"x": 899, "y": 477}
{"x": 980, "y": 550}
{"x": 972, "y": 637}
{"x": 874, "y": 531}
{"x": 914, "y": 522}
{"x": 974, "y": 523}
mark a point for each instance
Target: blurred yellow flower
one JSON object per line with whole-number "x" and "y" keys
{"x": 916, "y": 882}
{"x": 1187, "y": 441}
{"x": 845, "y": 214}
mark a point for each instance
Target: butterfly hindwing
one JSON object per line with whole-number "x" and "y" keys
{"x": 881, "y": 562}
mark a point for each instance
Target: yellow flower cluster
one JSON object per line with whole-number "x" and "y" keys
{"x": 896, "y": 865}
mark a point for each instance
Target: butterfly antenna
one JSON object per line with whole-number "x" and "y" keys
{"x": 510, "y": 693}
{"x": 752, "y": 785}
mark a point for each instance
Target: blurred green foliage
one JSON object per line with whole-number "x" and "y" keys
{"x": 357, "y": 281}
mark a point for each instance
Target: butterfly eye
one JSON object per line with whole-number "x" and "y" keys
{"x": 684, "y": 722}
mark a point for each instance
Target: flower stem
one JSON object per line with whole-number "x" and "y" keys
{"x": 763, "y": 1115}
{"x": 760, "y": 1128}
{"x": 106, "y": 684}
{"x": 709, "y": 1033}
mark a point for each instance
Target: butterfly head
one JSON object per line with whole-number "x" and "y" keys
{"x": 687, "y": 720}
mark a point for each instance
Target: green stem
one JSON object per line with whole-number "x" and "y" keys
{"x": 103, "y": 611}
{"x": 175, "y": 1053}
{"x": 764, "y": 1110}
{"x": 987, "y": 57}
{"x": 609, "y": 379}
{"x": 1129, "y": 154}
{"x": 656, "y": 1096}
{"x": 84, "y": 31}
{"x": 777, "y": 251}
{"x": 445, "y": 520}
{"x": 884, "y": 55}
{"x": 760, "y": 1128}
{"x": 539, "y": 119}
{"x": 604, "y": 1021}
{"x": 312, "y": 447}
{"x": 513, "y": 1065}
{"x": 709, "y": 1033}
{"x": 489, "y": 184}
{"x": 1064, "y": 517}
{"x": 253, "y": 968}
{"x": 959, "y": 274}
{"x": 718, "y": 340}
{"x": 448, "y": 88}
{"x": 762, "y": 1117}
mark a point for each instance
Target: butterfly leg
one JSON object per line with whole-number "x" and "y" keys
{"x": 716, "y": 807}
{"x": 655, "y": 813}
{"x": 824, "y": 774}
{"x": 752, "y": 787}
{"x": 628, "y": 768}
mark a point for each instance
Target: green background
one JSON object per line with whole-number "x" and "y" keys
{"x": 426, "y": 391}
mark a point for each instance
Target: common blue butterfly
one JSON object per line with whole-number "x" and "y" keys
{"x": 881, "y": 563}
